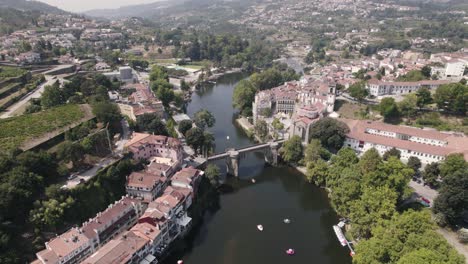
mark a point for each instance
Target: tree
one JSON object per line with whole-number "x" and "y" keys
{"x": 204, "y": 118}
{"x": 452, "y": 98}
{"x": 71, "y": 152}
{"x": 426, "y": 71}
{"x": 243, "y": 96}
{"x": 431, "y": 174}
{"x": 276, "y": 124}
{"x": 374, "y": 205}
{"x": 345, "y": 158}
{"x": 451, "y": 164}
{"x": 407, "y": 106}
{"x": 213, "y": 173}
{"x": 330, "y": 132}
{"x": 452, "y": 200}
{"x": 108, "y": 113}
{"x": 388, "y": 108}
{"x": 348, "y": 191}
{"x": 151, "y": 123}
{"x": 314, "y": 152}
{"x": 317, "y": 172}
{"x": 272, "y": 77}
{"x": 392, "y": 174}
{"x": 166, "y": 95}
{"x": 195, "y": 138}
{"x": 392, "y": 152}
{"x": 292, "y": 150}
{"x": 184, "y": 86}
{"x": 369, "y": 161}
{"x": 414, "y": 163}
{"x": 261, "y": 129}
{"x": 208, "y": 142}
{"x": 358, "y": 91}
{"x": 423, "y": 97}
{"x": 406, "y": 238}
{"x": 184, "y": 126}
{"x": 158, "y": 72}
{"x": 52, "y": 96}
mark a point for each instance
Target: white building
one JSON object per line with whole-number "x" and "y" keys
{"x": 427, "y": 145}
{"x": 455, "y": 68}
{"x": 379, "y": 88}
{"x": 286, "y": 98}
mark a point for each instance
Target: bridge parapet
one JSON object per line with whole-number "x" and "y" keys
{"x": 232, "y": 156}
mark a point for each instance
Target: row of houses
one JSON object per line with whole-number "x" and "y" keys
{"x": 427, "y": 145}
{"x": 139, "y": 227}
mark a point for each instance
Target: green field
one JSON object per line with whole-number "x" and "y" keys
{"x": 8, "y": 72}
{"x": 15, "y": 131}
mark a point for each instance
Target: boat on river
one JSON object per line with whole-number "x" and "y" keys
{"x": 260, "y": 227}
{"x": 286, "y": 221}
{"x": 340, "y": 235}
{"x": 290, "y": 252}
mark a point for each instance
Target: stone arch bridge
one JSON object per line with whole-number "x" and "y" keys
{"x": 233, "y": 156}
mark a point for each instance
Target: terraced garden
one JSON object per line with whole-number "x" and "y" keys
{"x": 30, "y": 129}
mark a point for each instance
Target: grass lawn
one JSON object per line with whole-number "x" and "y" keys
{"x": 165, "y": 61}
{"x": 354, "y": 110}
{"x": 15, "y": 131}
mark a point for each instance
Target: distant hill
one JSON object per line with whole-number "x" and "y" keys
{"x": 25, "y": 5}
{"x": 142, "y": 10}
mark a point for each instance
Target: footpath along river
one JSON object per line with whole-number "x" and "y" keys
{"x": 229, "y": 235}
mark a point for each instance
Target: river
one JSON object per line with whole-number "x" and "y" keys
{"x": 229, "y": 235}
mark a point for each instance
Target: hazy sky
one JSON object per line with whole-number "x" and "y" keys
{"x": 83, "y": 5}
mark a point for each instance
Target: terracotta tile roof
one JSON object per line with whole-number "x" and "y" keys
{"x": 186, "y": 175}
{"x": 144, "y": 179}
{"x": 63, "y": 245}
{"x": 455, "y": 143}
{"x": 139, "y": 139}
{"x": 418, "y": 83}
{"x": 146, "y": 231}
{"x": 119, "y": 250}
{"x": 110, "y": 215}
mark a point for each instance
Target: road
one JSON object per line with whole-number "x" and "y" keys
{"x": 32, "y": 95}
{"x": 103, "y": 163}
{"x": 449, "y": 235}
{"x": 424, "y": 191}
{"x": 89, "y": 174}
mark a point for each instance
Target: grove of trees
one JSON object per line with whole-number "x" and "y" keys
{"x": 244, "y": 92}
{"x": 368, "y": 191}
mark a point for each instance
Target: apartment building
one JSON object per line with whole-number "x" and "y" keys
{"x": 78, "y": 243}
{"x": 145, "y": 146}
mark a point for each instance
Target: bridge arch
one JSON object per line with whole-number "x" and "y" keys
{"x": 233, "y": 156}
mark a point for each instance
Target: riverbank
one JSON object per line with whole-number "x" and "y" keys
{"x": 248, "y": 128}
{"x": 228, "y": 235}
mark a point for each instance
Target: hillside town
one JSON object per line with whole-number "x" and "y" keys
{"x": 156, "y": 139}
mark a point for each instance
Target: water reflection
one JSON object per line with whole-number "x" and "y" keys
{"x": 227, "y": 233}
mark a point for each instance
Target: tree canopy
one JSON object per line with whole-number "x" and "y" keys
{"x": 330, "y": 132}
{"x": 358, "y": 91}
{"x": 292, "y": 150}
{"x": 204, "y": 118}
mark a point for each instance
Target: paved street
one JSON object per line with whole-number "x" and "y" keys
{"x": 32, "y": 95}
{"x": 424, "y": 191}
